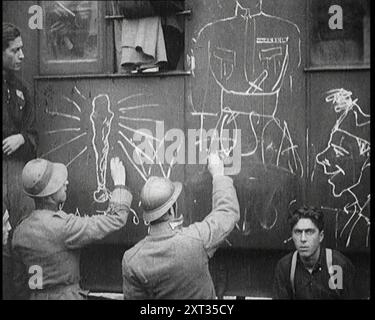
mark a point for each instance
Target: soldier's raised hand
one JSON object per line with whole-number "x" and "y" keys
{"x": 215, "y": 164}
{"x": 117, "y": 171}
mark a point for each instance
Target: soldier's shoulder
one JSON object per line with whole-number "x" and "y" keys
{"x": 19, "y": 83}
{"x": 133, "y": 252}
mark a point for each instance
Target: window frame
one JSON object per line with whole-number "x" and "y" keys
{"x": 100, "y": 65}
{"x": 310, "y": 67}
{"x": 105, "y": 64}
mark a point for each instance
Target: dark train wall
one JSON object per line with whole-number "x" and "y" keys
{"x": 297, "y": 132}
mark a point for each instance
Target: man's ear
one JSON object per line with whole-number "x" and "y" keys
{"x": 321, "y": 236}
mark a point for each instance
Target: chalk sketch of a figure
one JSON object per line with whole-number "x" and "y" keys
{"x": 346, "y": 160}
{"x": 239, "y": 65}
{"x": 101, "y": 118}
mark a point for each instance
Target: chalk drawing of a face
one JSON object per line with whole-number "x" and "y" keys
{"x": 341, "y": 159}
{"x": 347, "y": 153}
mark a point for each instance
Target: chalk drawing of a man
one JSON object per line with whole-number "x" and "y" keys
{"x": 346, "y": 159}
{"x": 239, "y": 65}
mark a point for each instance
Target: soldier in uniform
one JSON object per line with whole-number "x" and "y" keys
{"x": 19, "y": 139}
{"x": 171, "y": 262}
{"x": 46, "y": 243}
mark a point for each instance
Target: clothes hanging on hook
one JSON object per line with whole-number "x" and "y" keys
{"x": 142, "y": 42}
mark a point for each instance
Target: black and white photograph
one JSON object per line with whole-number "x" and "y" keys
{"x": 186, "y": 154}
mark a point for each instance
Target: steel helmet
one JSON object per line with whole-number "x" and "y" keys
{"x": 157, "y": 197}
{"x": 41, "y": 178}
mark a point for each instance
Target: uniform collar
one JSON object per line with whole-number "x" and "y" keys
{"x": 9, "y": 77}
{"x": 163, "y": 228}
{"x": 48, "y": 206}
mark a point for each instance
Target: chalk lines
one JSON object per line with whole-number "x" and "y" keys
{"x": 77, "y": 156}
{"x": 230, "y": 67}
{"x": 240, "y": 82}
{"x": 348, "y": 140}
{"x": 62, "y": 145}
{"x": 65, "y": 115}
{"x": 101, "y": 119}
{"x": 101, "y": 116}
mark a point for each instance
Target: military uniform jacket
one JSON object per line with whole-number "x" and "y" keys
{"x": 19, "y": 117}
{"x": 49, "y": 241}
{"x": 173, "y": 263}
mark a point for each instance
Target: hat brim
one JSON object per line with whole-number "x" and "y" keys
{"x": 57, "y": 180}
{"x": 149, "y": 216}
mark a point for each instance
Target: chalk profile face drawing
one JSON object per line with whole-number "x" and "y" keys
{"x": 341, "y": 158}
{"x": 347, "y": 153}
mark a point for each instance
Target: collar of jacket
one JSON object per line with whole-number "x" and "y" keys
{"x": 163, "y": 228}
{"x": 9, "y": 77}
{"x": 47, "y": 206}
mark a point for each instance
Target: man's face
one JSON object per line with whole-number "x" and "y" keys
{"x": 60, "y": 195}
{"x": 13, "y": 55}
{"x": 306, "y": 237}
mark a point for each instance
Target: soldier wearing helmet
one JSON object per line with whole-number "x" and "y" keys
{"x": 47, "y": 241}
{"x": 171, "y": 262}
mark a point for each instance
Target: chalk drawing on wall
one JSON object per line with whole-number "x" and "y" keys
{"x": 346, "y": 161}
{"x": 240, "y": 65}
{"x": 74, "y": 118}
{"x": 101, "y": 119}
{"x": 243, "y": 74}
{"x": 142, "y": 161}
{"x": 104, "y": 115}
